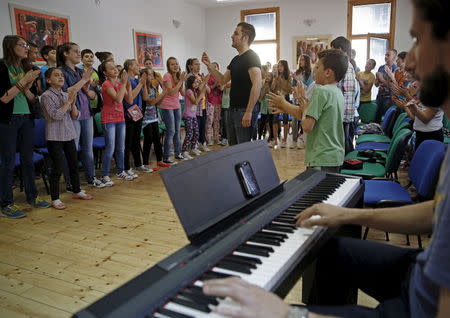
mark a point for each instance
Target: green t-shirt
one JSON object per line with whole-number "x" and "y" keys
{"x": 264, "y": 105}
{"x": 20, "y": 101}
{"x": 226, "y": 98}
{"x": 325, "y": 143}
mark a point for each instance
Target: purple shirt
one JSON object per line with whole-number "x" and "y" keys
{"x": 190, "y": 110}
{"x": 71, "y": 77}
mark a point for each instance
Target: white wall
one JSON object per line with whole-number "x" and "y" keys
{"x": 108, "y": 27}
{"x": 330, "y": 19}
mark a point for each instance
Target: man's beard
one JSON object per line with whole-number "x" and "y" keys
{"x": 435, "y": 88}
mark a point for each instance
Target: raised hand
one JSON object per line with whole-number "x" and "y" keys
{"x": 299, "y": 90}
{"x": 205, "y": 59}
{"x": 276, "y": 102}
{"x": 30, "y": 76}
{"x": 183, "y": 76}
{"x": 123, "y": 77}
{"x": 87, "y": 74}
{"x": 143, "y": 79}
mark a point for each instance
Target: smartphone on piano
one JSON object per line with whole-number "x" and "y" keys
{"x": 247, "y": 179}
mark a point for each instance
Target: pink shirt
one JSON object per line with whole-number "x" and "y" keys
{"x": 215, "y": 96}
{"x": 170, "y": 101}
{"x": 190, "y": 109}
{"x": 112, "y": 112}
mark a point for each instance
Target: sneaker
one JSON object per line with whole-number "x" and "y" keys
{"x": 131, "y": 173}
{"x": 107, "y": 181}
{"x": 196, "y": 152}
{"x": 58, "y": 205}
{"x": 170, "y": 161}
{"x": 163, "y": 164}
{"x": 12, "y": 211}
{"x": 210, "y": 143}
{"x": 203, "y": 147}
{"x": 187, "y": 156}
{"x": 224, "y": 142}
{"x": 292, "y": 145}
{"x": 300, "y": 143}
{"x": 144, "y": 169}
{"x": 181, "y": 157}
{"x": 124, "y": 176}
{"x": 271, "y": 144}
{"x": 40, "y": 203}
{"x": 82, "y": 196}
{"x": 283, "y": 144}
{"x": 69, "y": 188}
{"x": 96, "y": 183}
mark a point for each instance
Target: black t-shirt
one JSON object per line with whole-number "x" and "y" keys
{"x": 240, "y": 79}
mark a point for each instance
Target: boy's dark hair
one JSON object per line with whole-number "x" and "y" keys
{"x": 32, "y": 44}
{"x": 436, "y": 13}
{"x": 248, "y": 30}
{"x": 402, "y": 55}
{"x": 49, "y": 72}
{"x": 373, "y": 62}
{"x": 45, "y": 50}
{"x": 335, "y": 60}
{"x": 63, "y": 48}
{"x": 86, "y": 51}
{"x": 343, "y": 44}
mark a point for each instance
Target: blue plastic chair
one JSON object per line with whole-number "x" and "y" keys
{"x": 38, "y": 159}
{"x": 423, "y": 173}
{"x": 39, "y": 139}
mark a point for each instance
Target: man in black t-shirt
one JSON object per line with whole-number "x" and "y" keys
{"x": 244, "y": 72}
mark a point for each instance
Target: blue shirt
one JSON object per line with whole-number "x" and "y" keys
{"x": 383, "y": 90}
{"x": 44, "y": 69}
{"x": 137, "y": 100}
{"x": 71, "y": 77}
{"x": 432, "y": 269}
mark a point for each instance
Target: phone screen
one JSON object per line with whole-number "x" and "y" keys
{"x": 247, "y": 179}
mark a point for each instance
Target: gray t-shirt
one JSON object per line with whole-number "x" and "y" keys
{"x": 432, "y": 269}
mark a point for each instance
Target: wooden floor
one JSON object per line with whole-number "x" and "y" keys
{"x": 53, "y": 263}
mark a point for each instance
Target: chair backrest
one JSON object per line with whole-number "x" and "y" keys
{"x": 98, "y": 123}
{"x": 446, "y": 122}
{"x": 367, "y": 112}
{"x": 397, "y": 150}
{"x": 390, "y": 127}
{"x": 425, "y": 166}
{"x": 400, "y": 119}
{"x": 39, "y": 139}
{"x": 388, "y": 118}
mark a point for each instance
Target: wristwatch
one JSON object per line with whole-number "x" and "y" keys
{"x": 298, "y": 312}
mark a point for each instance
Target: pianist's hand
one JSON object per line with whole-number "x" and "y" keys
{"x": 255, "y": 302}
{"x": 330, "y": 216}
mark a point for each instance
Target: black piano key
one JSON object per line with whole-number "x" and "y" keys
{"x": 277, "y": 236}
{"x": 252, "y": 260}
{"x": 264, "y": 241}
{"x": 254, "y": 250}
{"x": 280, "y": 228}
{"x": 199, "y": 292}
{"x": 188, "y": 303}
{"x": 211, "y": 275}
{"x": 240, "y": 268}
{"x": 284, "y": 220}
{"x": 217, "y": 274}
{"x": 230, "y": 259}
{"x": 199, "y": 298}
{"x": 173, "y": 314}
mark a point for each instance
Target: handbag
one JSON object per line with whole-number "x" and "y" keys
{"x": 353, "y": 164}
{"x": 135, "y": 112}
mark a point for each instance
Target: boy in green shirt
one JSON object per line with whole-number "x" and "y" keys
{"x": 322, "y": 114}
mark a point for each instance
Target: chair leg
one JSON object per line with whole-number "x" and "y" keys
{"x": 407, "y": 240}
{"x": 387, "y": 236}
{"x": 365, "y": 233}
{"x": 419, "y": 240}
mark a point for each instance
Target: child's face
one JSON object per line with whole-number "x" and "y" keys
{"x": 173, "y": 66}
{"x": 280, "y": 68}
{"x": 111, "y": 70}
{"x": 196, "y": 66}
{"x": 74, "y": 54}
{"x": 134, "y": 68}
{"x": 196, "y": 84}
{"x": 51, "y": 56}
{"x": 149, "y": 64}
{"x": 56, "y": 80}
{"x": 319, "y": 73}
{"x": 88, "y": 59}
{"x": 369, "y": 66}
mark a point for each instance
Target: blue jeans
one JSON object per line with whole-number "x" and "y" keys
{"x": 114, "y": 145}
{"x": 236, "y": 133}
{"x": 85, "y": 137}
{"x": 18, "y": 133}
{"x": 172, "y": 120}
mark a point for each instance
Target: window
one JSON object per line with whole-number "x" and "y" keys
{"x": 371, "y": 29}
{"x": 267, "y": 25}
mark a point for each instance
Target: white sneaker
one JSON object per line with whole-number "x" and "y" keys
{"x": 300, "y": 143}
{"x": 292, "y": 146}
{"x": 96, "y": 183}
{"x": 224, "y": 142}
{"x": 131, "y": 173}
{"x": 187, "y": 156}
{"x": 107, "y": 181}
{"x": 271, "y": 144}
{"x": 210, "y": 143}
{"x": 144, "y": 169}
{"x": 181, "y": 157}
{"x": 203, "y": 147}
{"x": 196, "y": 152}
{"x": 283, "y": 144}
{"x": 124, "y": 176}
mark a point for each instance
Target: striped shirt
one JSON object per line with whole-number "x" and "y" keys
{"x": 348, "y": 87}
{"x": 58, "y": 124}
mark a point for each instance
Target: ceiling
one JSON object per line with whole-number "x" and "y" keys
{"x": 215, "y": 4}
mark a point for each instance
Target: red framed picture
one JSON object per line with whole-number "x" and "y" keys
{"x": 148, "y": 45}
{"x": 39, "y": 27}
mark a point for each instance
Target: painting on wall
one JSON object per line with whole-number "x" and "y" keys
{"x": 39, "y": 27}
{"x": 148, "y": 45}
{"x": 310, "y": 45}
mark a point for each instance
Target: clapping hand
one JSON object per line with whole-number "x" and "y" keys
{"x": 276, "y": 103}
{"x": 87, "y": 74}
{"x": 123, "y": 77}
{"x": 143, "y": 79}
{"x": 299, "y": 91}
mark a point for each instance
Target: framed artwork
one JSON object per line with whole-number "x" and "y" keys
{"x": 39, "y": 27}
{"x": 148, "y": 45}
{"x": 309, "y": 44}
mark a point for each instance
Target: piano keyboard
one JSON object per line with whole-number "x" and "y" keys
{"x": 265, "y": 256}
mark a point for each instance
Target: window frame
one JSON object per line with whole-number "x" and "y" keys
{"x": 390, "y": 36}
{"x": 275, "y": 10}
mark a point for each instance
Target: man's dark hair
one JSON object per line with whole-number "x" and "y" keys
{"x": 248, "y": 30}
{"x": 402, "y": 55}
{"x": 335, "y": 60}
{"x": 63, "y": 48}
{"x": 86, "y": 51}
{"x": 343, "y": 44}
{"x": 436, "y": 13}
{"x": 45, "y": 50}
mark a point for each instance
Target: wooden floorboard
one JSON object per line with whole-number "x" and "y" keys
{"x": 53, "y": 263}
